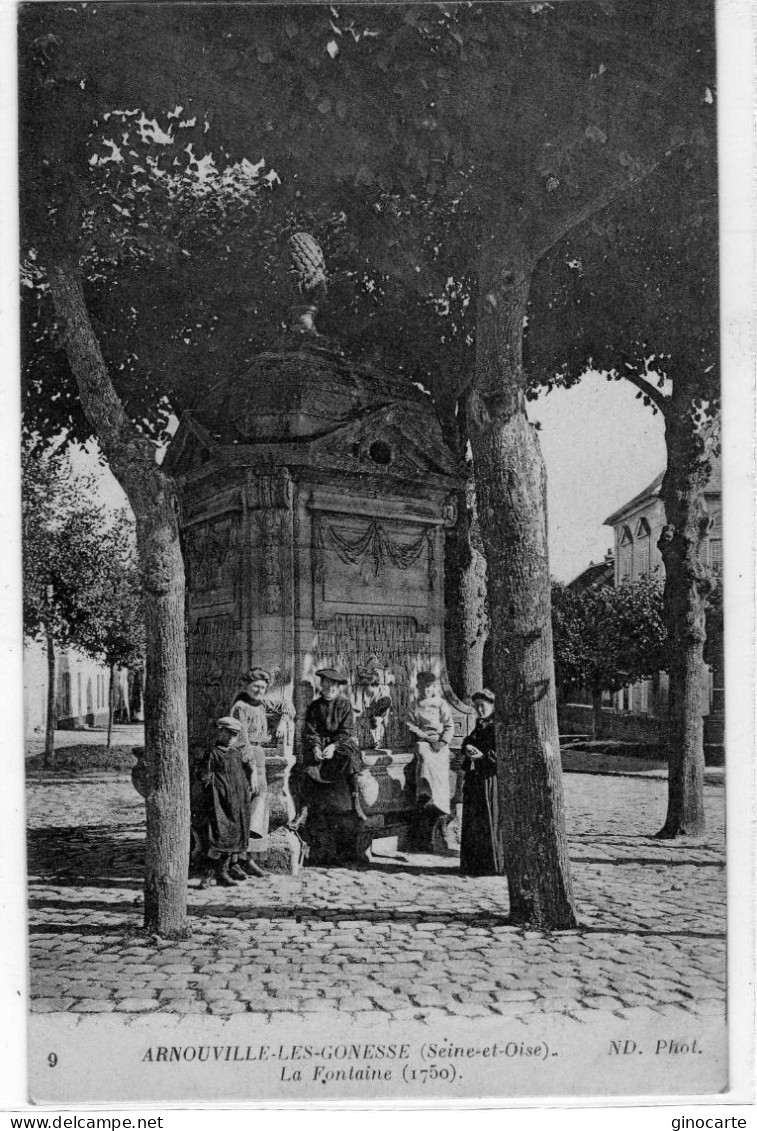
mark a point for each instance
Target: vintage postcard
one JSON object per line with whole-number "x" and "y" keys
{"x": 385, "y": 370}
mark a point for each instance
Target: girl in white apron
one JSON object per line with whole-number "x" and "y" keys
{"x": 432, "y": 725}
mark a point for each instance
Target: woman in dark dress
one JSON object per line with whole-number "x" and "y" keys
{"x": 480, "y": 843}
{"x": 331, "y": 751}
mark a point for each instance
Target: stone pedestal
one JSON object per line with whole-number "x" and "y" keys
{"x": 284, "y": 852}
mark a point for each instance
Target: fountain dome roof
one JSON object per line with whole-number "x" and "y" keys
{"x": 309, "y": 389}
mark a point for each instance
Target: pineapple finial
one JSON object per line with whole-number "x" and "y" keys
{"x": 309, "y": 268}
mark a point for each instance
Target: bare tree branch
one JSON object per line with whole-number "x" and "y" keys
{"x": 656, "y": 396}
{"x": 603, "y": 198}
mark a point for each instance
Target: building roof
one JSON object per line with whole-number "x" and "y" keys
{"x": 652, "y": 491}
{"x": 595, "y": 575}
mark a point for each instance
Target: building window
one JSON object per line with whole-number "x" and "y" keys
{"x": 65, "y": 694}
{"x": 718, "y": 690}
{"x": 716, "y": 554}
{"x": 642, "y": 555}
{"x": 626, "y": 554}
{"x": 644, "y": 699}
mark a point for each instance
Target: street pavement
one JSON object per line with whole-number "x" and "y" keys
{"x": 580, "y": 759}
{"x": 408, "y": 936}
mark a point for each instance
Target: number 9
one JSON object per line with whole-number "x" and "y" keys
{"x": 52, "y": 1059}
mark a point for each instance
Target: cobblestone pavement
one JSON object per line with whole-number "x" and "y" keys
{"x": 408, "y": 936}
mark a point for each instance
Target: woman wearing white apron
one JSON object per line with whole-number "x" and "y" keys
{"x": 433, "y": 727}
{"x": 251, "y": 711}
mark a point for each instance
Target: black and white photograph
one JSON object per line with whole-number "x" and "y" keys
{"x": 379, "y": 646}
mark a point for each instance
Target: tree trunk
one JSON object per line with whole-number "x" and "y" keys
{"x": 48, "y": 758}
{"x": 111, "y": 704}
{"x": 467, "y": 623}
{"x": 165, "y": 708}
{"x": 466, "y": 618}
{"x": 596, "y": 714}
{"x": 131, "y": 457}
{"x": 139, "y": 710}
{"x": 687, "y": 585}
{"x": 510, "y": 485}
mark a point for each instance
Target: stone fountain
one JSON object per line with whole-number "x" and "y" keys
{"x": 315, "y": 498}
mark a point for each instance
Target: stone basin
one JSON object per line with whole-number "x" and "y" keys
{"x": 387, "y": 795}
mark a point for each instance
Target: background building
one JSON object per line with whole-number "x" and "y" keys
{"x": 638, "y": 713}
{"x": 81, "y": 693}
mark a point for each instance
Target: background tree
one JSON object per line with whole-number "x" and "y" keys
{"x": 500, "y": 128}
{"x": 635, "y": 294}
{"x": 62, "y": 560}
{"x": 112, "y": 628}
{"x": 608, "y": 637}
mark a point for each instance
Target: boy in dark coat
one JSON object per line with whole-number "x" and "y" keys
{"x": 225, "y": 805}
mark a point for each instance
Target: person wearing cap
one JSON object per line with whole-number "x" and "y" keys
{"x": 331, "y": 751}
{"x": 433, "y": 727}
{"x": 371, "y": 704}
{"x": 252, "y": 712}
{"x": 481, "y": 852}
{"x": 226, "y": 793}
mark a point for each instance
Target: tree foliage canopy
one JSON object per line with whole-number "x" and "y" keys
{"x": 634, "y": 293}
{"x": 606, "y": 637}
{"x": 448, "y": 101}
{"x": 190, "y": 146}
{"x": 61, "y": 548}
{"x": 113, "y": 630}
{"x": 79, "y": 576}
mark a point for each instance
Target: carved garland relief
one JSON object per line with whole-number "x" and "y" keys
{"x": 374, "y": 544}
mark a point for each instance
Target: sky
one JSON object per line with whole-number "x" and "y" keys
{"x": 601, "y": 447}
